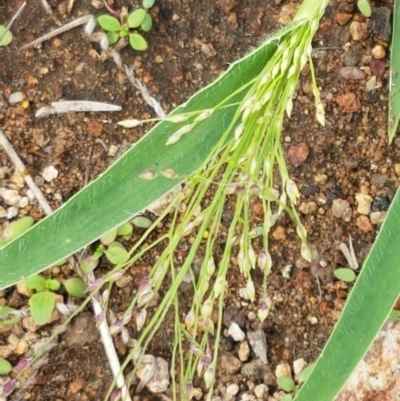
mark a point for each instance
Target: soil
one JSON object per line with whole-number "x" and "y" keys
{"x": 339, "y": 165}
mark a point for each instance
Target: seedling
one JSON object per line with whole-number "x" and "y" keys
{"x": 43, "y": 301}
{"x": 5, "y": 36}
{"x": 365, "y": 7}
{"x": 5, "y": 367}
{"x": 128, "y": 25}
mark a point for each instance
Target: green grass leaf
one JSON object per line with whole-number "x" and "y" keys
{"x": 368, "y": 306}
{"x": 394, "y": 88}
{"x": 119, "y": 193}
{"x": 136, "y": 18}
{"x": 137, "y": 42}
{"x": 109, "y": 23}
{"x": 42, "y": 305}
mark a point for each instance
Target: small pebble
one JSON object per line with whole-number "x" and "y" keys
{"x": 236, "y": 332}
{"x": 364, "y": 203}
{"x": 258, "y": 344}
{"x": 378, "y": 52}
{"x": 12, "y": 212}
{"x": 380, "y": 204}
{"x": 377, "y": 218}
{"x": 321, "y": 178}
{"x": 341, "y": 209}
{"x": 299, "y": 365}
{"x": 308, "y": 207}
{"x": 358, "y": 30}
{"x": 11, "y": 196}
{"x": 229, "y": 363}
{"x": 50, "y": 173}
{"x": 352, "y": 72}
{"x": 283, "y": 370}
{"x": 17, "y": 179}
{"x": 23, "y": 202}
{"x": 363, "y": 224}
{"x": 244, "y": 351}
{"x": 16, "y": 97}
{"x": 261, "y": 391}
{"x": 231, "y": 391}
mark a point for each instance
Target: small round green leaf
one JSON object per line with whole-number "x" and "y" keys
{"x": 108, "y": 238}
{"x": 5, "y": 36}
{"x": 53, "y": 284}
{"x": 286, "y": 384}
{"x": 37, "y": 283}
{"x": 345, "y": 274}
{"x": 18, "y": 227}
{"x": 117, "y": 255}
{"x": 125, "y": 229}
{"x": 148, "y": 3}
{"x": 147, "y": 23}
{"x": 136, "y": 18}
{"x": 124, "y": 32}
{"x": 42, "y": 306}
{"x": 141, "y": 222}
{"x": 75, "y": 287}
{"x": 303, "y": 376}
{"x": 89, "y": 264}
{"x": 5, "y": 367}
{"x": 109, "y": 23}
{"x": 113, "y": 37}
{"x": 364, "y": 7}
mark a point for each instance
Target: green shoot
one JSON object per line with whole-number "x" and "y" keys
{"x": 365, "y": 7}
{"x": 127, "y": 26}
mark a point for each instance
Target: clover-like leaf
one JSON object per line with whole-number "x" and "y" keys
{"x": 136, "y": 18}
{"x": 5, "y": 36}
{"x": 112, "y": 37}
{"x": 285, "y": 383}
{"x": 125, "y": 230}
{"x": 117, "y": 254}
{"x": 364, "y": 7}
{"x": 108, "y": 238}
{"x": 5, "y": 367}
{"x": 345, "y": 274}
{"x": 37, "y": 283}
{"x": 53, "y": 284}
{"x": 148, "y": 3}
{"x": 109, "y": 23}
{"x": 42, "y": 306}
{"x": 147, "y": 23}
{"x": 75, "y": 287}
{"x": 141, "y": 222}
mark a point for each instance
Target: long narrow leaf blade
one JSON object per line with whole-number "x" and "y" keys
{"x": 394, "y": 90}
{"x": 120, "y": 193}
{"x": 366, "y": 310}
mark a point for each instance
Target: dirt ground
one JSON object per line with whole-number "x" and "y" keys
{"x": 347, "y": 177}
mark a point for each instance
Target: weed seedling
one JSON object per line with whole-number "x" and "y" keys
{"x": 5, "y": 36}
{"x": 128, "y": 25}
{"x": 43, "y": 301}
{"x": 365, "y": 7}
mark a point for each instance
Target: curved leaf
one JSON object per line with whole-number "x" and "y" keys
{"x": 137, "y": 42}
{"x": 42, "y": 305}
{"x": 109, "y": 23}
{"x": 136, "y": 18}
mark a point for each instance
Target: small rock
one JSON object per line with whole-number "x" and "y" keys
{"x": 309, "y": 190}
{"x": 231, "y": 391}
{"x": 279, "y": 233}
{"x": 349, "y": 102}
{"x": 308, "y": 207}
{"x": 381, "y": 22}
{"x": 197, "y": 393}
{"x": 113, "y": 150}
{"x": 364, "y": 224}
{"x": 12, "y": 212}
{"x": 378, "y": 52}
{"x": 16, "y": 97}
{"x": 22, "y": 347}
{"x": 298, "y": 154}
{"x": 379, "y": 180}
{"x": 258, "y": 344}
{"x": 5, "y": 351}
{"x": 23, "y": 289}
{"x": 124, "y": 281}
{"x": 397, "y": 169}
{"x": 377, "y": 67}
{"x": 261, "y": 391}
{"x": 351, "y": 163}
{"x": 11, "y": 196}
{"x": 229, "y": 363}
{"x": 244, "y": 351}
{"x": 358, "y": 30}
{"x": 298, "y": 366}
{"x": 341, "y": 209}
{"x": 321, "y": 178}
{"x": 283, "y": 370}
{"x": 236, "y": 332}
{"x": 377, "y": 218}
{"x": 29, "y": 324}
{"x": 342, "y": 18}
{"x": 50, "y": 173}
{"x": 380, "y": 204}
{"x": 17, "y": 179}
{"x": 247, "y": 397}
{"x": 364, "y": 203}
{"x": 77, "y": 385}
{"x": 352, "y": 72}
{"x": 23, "y": 202}
{"x": 159, "y": 382}
{"x": 254, "y": 370}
